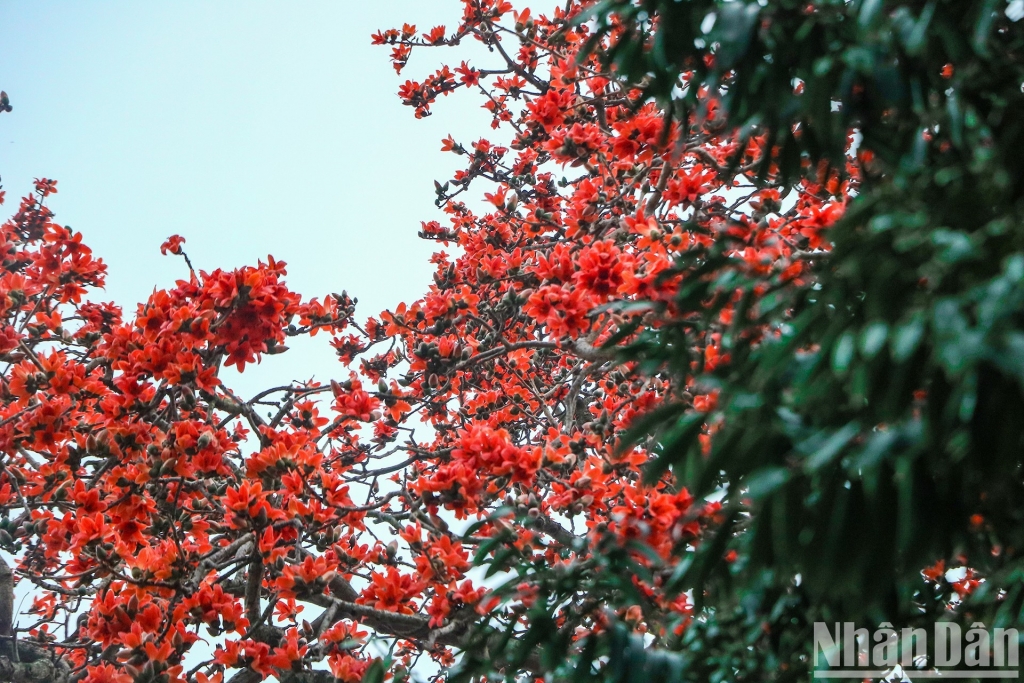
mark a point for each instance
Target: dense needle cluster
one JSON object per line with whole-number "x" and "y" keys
{"x": 174, "y": 530}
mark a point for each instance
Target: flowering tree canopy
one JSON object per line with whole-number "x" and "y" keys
{"x": 174, "y": 530}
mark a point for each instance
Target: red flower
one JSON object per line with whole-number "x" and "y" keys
{"x": 172, "y": 245}
{"x": 551, "y": 108}
{"x": 601, "y": 265}
{"x": 563, "y": 310}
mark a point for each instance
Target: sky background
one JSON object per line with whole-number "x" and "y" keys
{"x": 250, "y": 128}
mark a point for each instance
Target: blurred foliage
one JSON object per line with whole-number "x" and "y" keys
{"x": 878, "y": 427}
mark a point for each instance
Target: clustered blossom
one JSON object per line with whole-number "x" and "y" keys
{"x": 142, "y": 492}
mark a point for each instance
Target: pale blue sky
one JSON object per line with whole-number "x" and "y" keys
{"x": 247, "y": 127}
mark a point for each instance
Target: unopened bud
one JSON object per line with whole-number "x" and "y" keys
{"x": 336, "y": 389}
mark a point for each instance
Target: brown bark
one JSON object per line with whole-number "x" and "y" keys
{"x": 22, "y": 662}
